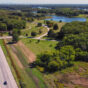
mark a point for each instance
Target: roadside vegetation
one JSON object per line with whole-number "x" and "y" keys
{"x": 9, "y": 62}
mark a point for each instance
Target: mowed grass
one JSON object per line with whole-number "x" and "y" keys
{"x": 60, "y": 25}
{"x": 24, "y": 76}
{"x": 32, "y": 27}
{"x": 40, "y": 47}
{"x": 27, "y": 73}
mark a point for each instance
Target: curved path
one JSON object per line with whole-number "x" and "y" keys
{"x": 43, "y": 34}
{"x": 39, "y": 38}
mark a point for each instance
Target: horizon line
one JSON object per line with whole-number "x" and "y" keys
{"x": 39, "y": 4}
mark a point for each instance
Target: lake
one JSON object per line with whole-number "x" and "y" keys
{"x": 66, "y": 19}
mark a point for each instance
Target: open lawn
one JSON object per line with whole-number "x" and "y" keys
{"x": 60, "y": 25}
{"x": 41, "y": 46}
{"x": 32, "y": 27}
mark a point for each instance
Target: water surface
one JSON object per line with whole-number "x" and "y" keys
{"x": 66, "y": 19}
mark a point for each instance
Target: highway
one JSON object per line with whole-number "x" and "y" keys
{"x": 5, "y": 73}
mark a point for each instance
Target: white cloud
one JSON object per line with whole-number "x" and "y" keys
{"x": 45, "y": 1}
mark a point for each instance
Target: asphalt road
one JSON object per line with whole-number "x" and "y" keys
{"x": 5, "y": 73}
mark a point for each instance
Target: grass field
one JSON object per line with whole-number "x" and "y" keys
{"x": 40, "y": 47}
{"x": 60, "y": 25}
{"x": 32, "y": 27}
{"x": 24, "y": 76}
{"x": 28, "y": 75}
{"x": 78, "y": 72}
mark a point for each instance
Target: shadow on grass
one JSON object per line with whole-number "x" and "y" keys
{"x": 11, "y": 42}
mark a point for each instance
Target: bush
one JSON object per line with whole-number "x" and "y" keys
{"x": 55, "y": 27}
{"x": 77, "y": 41}
{"x": 81, "y": 55}
{"x": 53, "y": 66}
{"x": 52, "y": 62}
{"x": 39, "y": 24}
{"x": 3, "y": 27}
{"x": 15, "y": 35}
{"x": 49, "y": 23}
{"x": 41, "y": 69}
{"x": 73, "y": 28}
{"x": 33, "y": 33}
{"x": 51, "y": 33}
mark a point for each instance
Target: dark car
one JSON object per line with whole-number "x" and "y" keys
{"x": 5, "y": 83}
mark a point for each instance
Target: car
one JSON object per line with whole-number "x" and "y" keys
{"x": 5, "y": 83}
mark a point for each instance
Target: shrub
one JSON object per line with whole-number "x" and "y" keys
{"x": 55, "y": 27}
{"x": 33, "y": 33}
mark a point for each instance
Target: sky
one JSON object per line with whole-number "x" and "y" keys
{"x": 43, "y": 1}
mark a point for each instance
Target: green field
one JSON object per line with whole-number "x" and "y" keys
{"x": 32, "y": 27}
{"x": 79, "y": 68}
{"x": 28, "y": 75}
{"x": 26, "y": 79}
{"x": 40, "y": 47}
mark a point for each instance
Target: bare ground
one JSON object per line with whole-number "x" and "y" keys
{"x": 71, "y": 80}
{"x": 30, "y": 56}
{"x": 17, "y": 60}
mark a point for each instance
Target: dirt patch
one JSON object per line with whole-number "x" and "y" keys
{"x": 77, "y": 80}
{"x": 17, "y": 60}
{"x": 30, "y": 55}
{"x": 71, "y": 80}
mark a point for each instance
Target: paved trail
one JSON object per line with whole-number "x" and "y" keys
{"x": 43, "y": 34}
{"x": 38, "y": 38}
{"x": 5, "y": 73}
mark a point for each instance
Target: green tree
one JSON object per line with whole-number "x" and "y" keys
{"x": 81, "y": 55}
{"x": 39, "y": 24}
{"x": 33, "y": 33}
{"x": 43, "y": 59}
{"x": 51, "y": 33}
{"x": 67, "y": 53}
{"x": 53, "y": 66}
{"x": 3, "y": 27}
{"x": 55, "y": 27}
{"x": 15, "y": 35}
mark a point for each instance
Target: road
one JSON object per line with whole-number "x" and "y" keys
{"x": 5, "y": 73}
